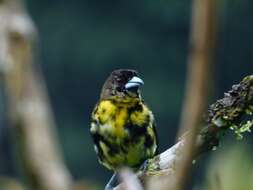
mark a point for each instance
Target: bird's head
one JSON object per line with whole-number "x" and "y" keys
{"x": 122, "y": 84}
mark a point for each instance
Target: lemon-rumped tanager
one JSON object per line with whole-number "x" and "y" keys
{"x": 122, "y": 126}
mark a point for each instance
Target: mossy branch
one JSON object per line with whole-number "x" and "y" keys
{"x": 234, "y": 111}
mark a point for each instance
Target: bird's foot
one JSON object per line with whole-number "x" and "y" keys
{"x": 144, "y": 166}
{"x": 112, "y": 182}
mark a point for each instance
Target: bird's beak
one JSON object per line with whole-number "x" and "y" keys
{"x": 134, "y": 82}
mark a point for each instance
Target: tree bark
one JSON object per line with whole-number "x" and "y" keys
{"x": 31, "y": 120}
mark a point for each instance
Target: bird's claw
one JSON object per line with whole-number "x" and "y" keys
{"x": 144, "y": 166}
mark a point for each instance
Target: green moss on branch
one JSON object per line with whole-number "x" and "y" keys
{"x": 234, "y": 111}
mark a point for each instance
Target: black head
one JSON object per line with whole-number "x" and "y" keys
{"x": 122, "y": 83}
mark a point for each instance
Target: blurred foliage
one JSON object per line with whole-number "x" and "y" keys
{"x": 233, "y": 171}
{"x": 82, "y": 41}
{"x": 84, "y": 185}
{"x": 10, "y": 184}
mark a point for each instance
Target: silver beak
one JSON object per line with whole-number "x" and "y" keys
{"x": 134, "y": 82}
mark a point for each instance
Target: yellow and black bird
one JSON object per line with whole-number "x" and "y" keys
{"x": 122, "y": 126}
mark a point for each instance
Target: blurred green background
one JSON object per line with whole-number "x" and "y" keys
{"x": 82, "y": 41}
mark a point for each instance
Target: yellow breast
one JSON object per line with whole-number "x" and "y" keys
{"x": 113, "y": 116}
{"x": 124, "y": 133}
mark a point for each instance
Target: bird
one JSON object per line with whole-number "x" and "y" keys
{"x": 122, "y": 125}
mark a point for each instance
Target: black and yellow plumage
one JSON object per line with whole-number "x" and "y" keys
{"x": 123, "y": 127}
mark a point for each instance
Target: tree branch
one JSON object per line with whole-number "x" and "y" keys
{"x": 234, "y": 111}
{"x": 31, "y": 121}
{"x": 200, "y": 61}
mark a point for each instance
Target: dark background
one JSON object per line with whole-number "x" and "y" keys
{"x": 82, "y": 41}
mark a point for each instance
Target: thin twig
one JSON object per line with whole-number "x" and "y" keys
{"x": 129, "y": 180}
